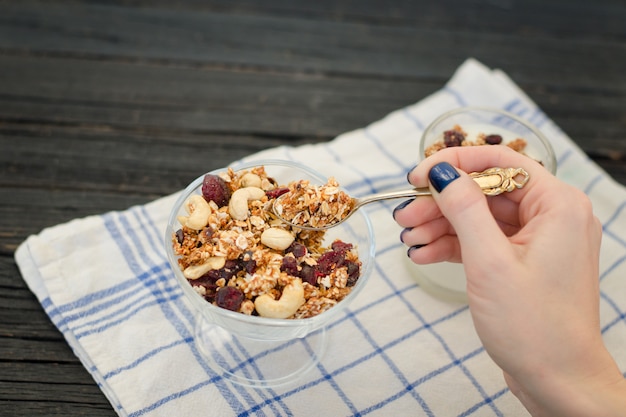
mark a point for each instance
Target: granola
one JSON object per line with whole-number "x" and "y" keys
{"x": 226, "y": 256}
{"x": 314, "y": 206}
{"x": 458, "y": 137}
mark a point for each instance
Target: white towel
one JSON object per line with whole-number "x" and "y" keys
{"x": 106, "y": 284}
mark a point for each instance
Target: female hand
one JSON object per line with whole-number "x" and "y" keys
{"x": 531, "y": 259}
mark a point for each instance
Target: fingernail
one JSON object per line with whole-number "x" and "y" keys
{"x": 412, "y": 248}
{"x": 405, "y": 230}
{"x": 441, "y": 175}
{"x": 401, "y": 206}
{"x": 409, "y": 173}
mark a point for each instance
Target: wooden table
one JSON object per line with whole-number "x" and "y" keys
{"x": 106, "y": 104}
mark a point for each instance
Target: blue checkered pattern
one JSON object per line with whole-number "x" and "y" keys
{"x": 106, "y": 284}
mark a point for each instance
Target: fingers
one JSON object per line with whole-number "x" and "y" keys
{"x": 479, "y": 158}
{"x": 465, "y": 206}
{"x": 433, "y": 223}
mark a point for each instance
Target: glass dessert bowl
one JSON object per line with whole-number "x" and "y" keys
{"x": 483, "y": 126}
{"x": 474, "y": 126}
{"x": 263, "y": 292}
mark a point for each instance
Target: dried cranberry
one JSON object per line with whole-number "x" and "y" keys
{"x": 308, "y": 274}
{"x": 493, "y": 139}
{"x": 180, "y": 236}
{"x": 276, "y": 192}
{"x": 229, "y": 298}
{"x": 297, "y": 248}
{"x": 453, "y": 138}
{"x": 339, "y": 246}
{"x": 329, "y": 261}
{"x": 290, "y": 266}
{"x": 215, "y": 189}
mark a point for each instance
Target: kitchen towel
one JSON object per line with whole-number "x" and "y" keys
{"x": 106, "y": 284}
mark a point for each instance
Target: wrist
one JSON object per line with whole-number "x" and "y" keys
{"x": 555, "y": 394}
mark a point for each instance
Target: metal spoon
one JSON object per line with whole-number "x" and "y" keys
{"x": 492, "y": 181}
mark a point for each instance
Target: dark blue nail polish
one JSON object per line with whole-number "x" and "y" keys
{"x": 412, "y": 248}
{"x": 441, "y": 175}
{"x": 409, "y": 173}
{"x": 401, "y": 206}
{"x": 405, "y": 230}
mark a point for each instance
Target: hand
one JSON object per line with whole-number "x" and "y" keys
{"x": 531, "y": 259}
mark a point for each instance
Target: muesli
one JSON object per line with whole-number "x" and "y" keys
{"x": 238, "y": 255}
{"x": 314, "y": 206}
{"x": 457, "y": 136}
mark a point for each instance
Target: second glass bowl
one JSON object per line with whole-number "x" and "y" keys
{"x": 491, "y": 121}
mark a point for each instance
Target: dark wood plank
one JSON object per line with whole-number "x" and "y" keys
{"x": 109, "y": 95}
{"x": 576, "y": 18}
{"x": 297, "y": 43}
{"x": 54, "y": 408}
{"x": 276, "y": 109}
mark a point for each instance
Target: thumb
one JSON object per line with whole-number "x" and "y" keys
{"x": 463, "y": 203}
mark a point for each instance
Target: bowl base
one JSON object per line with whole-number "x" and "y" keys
{"x": 444, "y": 281}
{"x": 259, "y": 363}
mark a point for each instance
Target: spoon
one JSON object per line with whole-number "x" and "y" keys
{"x": 493, "y": 181}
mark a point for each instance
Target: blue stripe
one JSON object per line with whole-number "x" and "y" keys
{"x": 146, "y": 356}
{"x": 383, "y": 150}
{"x": 119, "y": 239}
{"x": 159, "y": 249}
{"x": 457, "y": 96}
{"x": 413, "y": 118}
{"x": 130, "y": 313}
{"x": 487, "y": 401}
{"x": 594, "y": 181}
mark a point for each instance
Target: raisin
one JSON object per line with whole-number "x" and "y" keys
{"x": 180, "y": 236}
{"x": 453, "y": 138}
{"x": 215, "y": 189}
{"x": 229, "y": 298}
{"x": 493, "y": 139}
{"x": 247, "y": 263}
{"x": 230, "y": 269}
{"x": 290, "y": 266}
{"x": 354, "y": 271}
{"x": 208, "y": 281}
{"x": 308, "y": 274}
{"x": 297, "y": 248}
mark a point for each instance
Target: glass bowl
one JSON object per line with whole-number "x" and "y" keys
{"x": 219, "y": 329}
{"x": 489, "y": 121}
{"x": 446, "y": 280}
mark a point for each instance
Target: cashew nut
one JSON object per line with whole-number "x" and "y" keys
{"x": 238, "y": 204}
{"x": 286, "y": 306}
{"x": 250, "y": 180}
{"x": 199, "y": 211}
{"x": 196, "y": 271}
{"x": 277, "y": 238}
